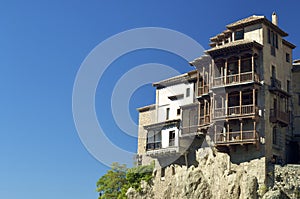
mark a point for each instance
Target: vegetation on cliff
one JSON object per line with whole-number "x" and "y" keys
{"x": 117, "y": 180}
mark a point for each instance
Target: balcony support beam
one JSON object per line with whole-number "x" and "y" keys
{"x": 254, "y": 102}
{"x": 239, "y": 68}
{"x": 252, "y": 65}
{"x": 241, "y": 129}
{"x": 226, "y": 104}
{"x": 227, "y": 132}
{"x": 241, "y": 95}
{"x": 225, "y": 72}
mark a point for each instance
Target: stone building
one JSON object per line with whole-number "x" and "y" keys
{"x": 244, "y": 100}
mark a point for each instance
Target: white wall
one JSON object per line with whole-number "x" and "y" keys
{"x": 163, "y": 102}
{"x": 254, "y": 32}
{"x": 165, "y": 137}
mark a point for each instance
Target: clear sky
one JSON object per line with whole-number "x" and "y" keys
{"x": 42, "y": 46}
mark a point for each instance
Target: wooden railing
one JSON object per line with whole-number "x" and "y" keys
{"x": 236, "y": 79}
{"x": 189, "y": 129}
{"x": 171, "y": 142}
{"x": 203, "y": 120}
{"x": 219, "y": 112}
{"x": 218, "y": 81}
{"x": 235, "y": 111}
{"x": 203, "y": 90}
{"x": 236, "y": 137}
{"x": 277, "y": 115}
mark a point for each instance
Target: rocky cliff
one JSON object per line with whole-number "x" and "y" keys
{"x": 215, "y": 177}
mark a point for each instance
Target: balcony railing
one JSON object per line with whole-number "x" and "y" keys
{"x": 172, "y": 142}
{"x": 203, "y": 90}
{"x": 237, "y": 137}
{"x": 275, "y": 83}
{"x": 153, "y": 146}
{"x": 204, "y": 120}
{"x": 234, "y": 111}
{"x": 190, "y": 129}
{"x": 236, "y": 79}
{"x": 279, "y": 116}
{"x": 219, "y": 112}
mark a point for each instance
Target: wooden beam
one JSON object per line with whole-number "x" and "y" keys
{"x": 252, "y": 64}
{"x": 241, "y": 97}
{"x": 239, "y": 68}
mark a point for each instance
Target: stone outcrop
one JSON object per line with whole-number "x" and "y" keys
{"x": 216, "y": 177}
{"x": 287, "y": 180}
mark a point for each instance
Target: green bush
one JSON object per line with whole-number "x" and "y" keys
{"x": 117, "y": 180}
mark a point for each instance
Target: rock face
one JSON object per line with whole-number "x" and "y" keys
{"x": 216, "y": 178}
{"x": 287, "y": 180}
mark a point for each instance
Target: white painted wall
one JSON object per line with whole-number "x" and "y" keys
{"x": 163, "y": 102}
{"x": 254, "y": 32}
{"x": 165, "y": 137}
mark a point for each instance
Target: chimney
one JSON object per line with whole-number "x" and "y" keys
{"x": 274, "y": 19}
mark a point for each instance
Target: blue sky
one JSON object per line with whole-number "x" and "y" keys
{"x": 42, "y": 45}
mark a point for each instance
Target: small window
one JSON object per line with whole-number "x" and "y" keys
{"x": 238, "y": 35}
{"x": 299, "y": 99}
{"x": 188, "y": 90}
{"x": 167, "y": 113}
{"x": 288, "y": 86}
{"x": 269, "y": 36}
{"x": 287, "y": 57}
{"x": 273, "y": 51}
{"x": 171, "y": 138}
{"x": 162, "y": 172}
{"x": 273, "y": 71}
{"x": 275, "y": 136}
{"x": 178, "y": 111}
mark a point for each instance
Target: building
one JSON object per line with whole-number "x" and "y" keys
{"x": 242, "y": 104}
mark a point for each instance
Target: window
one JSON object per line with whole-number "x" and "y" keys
{"x": 275, "y": 136}
{"x": 269, "y": 36}
{"x": 178, "y": 111}
{"x": 287, "y": 57}
{"x": 162, "y": 173}
{"x": 171, "y": 138}
{"x": 288, "y": 86}
{"x": 176, "y": 97}
{"x": 273, "y": 40}
{"x": 167, "y": 113}
{"x": 153, "y": 140}
{"x": 238, "y": 35}
{"x": 188, "y": 90}
{"x": 273, "y": 71}
{"x": 299, "y": 99}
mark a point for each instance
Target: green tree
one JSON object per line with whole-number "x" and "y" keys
{"x": 115, "y": 183}
{"x": 109, "y": 185}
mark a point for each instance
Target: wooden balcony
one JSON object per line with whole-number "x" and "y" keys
{"x": 189, "y": 129}
{"x": 235, "y": 79}
{"x": 235, "y": 138}
{"x": 235, "y": 111}
{"x": 204, "y": 120}
{"x": 202, "y": 90}
{"x": 275, "y": 83}
{"x": 279, "y": 116}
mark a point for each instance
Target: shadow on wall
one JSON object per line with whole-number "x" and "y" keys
{"x": 242, "y": 154}
{"x": 189, "y": 156}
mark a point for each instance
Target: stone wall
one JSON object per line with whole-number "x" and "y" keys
{"x": 146, "y": 117}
